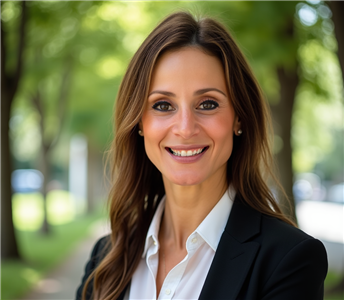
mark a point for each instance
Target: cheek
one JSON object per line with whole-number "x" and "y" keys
{"x": 222, "y": 134}
{"x": 154, "y": 130}
{"x": 222, "y": 128}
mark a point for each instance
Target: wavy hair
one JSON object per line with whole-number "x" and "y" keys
{"x": 137, "y": 184}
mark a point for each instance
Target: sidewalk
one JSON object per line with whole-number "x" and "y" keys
{"x": 61, "y": 283}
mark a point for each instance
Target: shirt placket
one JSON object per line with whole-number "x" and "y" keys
{"x": 152, "y": 262}
{"x": 173, "y": 278}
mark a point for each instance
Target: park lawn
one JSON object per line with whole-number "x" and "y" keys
{"x": 331, "y": 280}
{"x": 41, "y": 254}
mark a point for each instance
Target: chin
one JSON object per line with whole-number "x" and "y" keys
{"x": 185, "y": 179}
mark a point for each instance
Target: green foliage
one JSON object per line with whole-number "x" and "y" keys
{"x": 97, "y": 39}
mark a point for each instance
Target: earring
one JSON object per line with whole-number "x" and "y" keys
{"x": 140, "y": 132}
{"x": 239, "y": 132}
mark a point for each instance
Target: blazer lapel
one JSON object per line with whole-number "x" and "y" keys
{"x": 234, "y": 255}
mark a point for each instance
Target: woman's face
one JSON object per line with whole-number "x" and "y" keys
{"x": 188, "y": 121}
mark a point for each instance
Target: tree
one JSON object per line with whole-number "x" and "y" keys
{"x": 337, "y": 8}
{"x": 49, "y": 141}
{"x": 10, "y": 80}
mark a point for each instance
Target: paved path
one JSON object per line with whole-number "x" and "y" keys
{"x": 61, "y": 283}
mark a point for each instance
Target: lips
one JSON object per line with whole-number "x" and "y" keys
{"x": 187, "y": 152}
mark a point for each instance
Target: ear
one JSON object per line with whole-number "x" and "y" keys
{"x": 140, "y": 130}
{"x": 237, "y": 126}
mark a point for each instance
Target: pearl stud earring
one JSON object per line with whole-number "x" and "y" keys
{"x": 140, "y": 132}
{"x": 239, "y": 132}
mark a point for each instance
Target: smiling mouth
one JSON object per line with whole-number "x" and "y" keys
{"x": 188, "y": 153}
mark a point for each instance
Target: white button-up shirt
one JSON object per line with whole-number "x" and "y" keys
{"x": 186, "y": 279}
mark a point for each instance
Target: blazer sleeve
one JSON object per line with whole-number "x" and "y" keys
{"x": 96, "y": 256}
{"x": 300, "y": 274}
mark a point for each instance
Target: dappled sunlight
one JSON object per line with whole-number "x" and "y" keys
{"x": 30, "y": 275}
{"x": 60, "y": 207}
{"x": 132, "y": 41}
{"x": 110, "y": 67}
{"x": 28, "y": 209}
{"x": 25, "y": 133}
{"x": 9, "y": 11}
{"x": 307, "y": 15}
{"x": 132, "y": 16}
{"x": 111, "y": 11}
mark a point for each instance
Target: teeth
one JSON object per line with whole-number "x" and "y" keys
{"x": 186, "y": 153}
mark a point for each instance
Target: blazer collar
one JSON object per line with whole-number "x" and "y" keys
{"x": 235, "y": 254}
{"x": 243, "y": 222}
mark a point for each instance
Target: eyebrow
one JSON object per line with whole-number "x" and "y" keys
{"x": 197, "y": 93}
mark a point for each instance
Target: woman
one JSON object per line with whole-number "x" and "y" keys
{"x": 191, "y": 214}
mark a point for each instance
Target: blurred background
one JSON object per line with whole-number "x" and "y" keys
{"x": 61, "y": 66}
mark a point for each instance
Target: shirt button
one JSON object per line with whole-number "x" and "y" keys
{"x": 154, "y": 243}
{"x": 167, "y": 291}
{"x": 194, "y": 240}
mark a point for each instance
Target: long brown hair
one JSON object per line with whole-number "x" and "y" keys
{"x": 137, "y": 184}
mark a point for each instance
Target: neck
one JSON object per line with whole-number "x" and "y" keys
{"x": 186, "y": 207}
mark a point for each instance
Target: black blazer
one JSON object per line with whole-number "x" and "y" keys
{"x": 258, "y": 257}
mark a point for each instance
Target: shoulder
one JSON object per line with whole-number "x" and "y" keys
{"x": 294, "y": 262}
{"x": 276, "y": 234}
{"x": 290, "y": 258}
{"x": 274, "y": 228}
{"x": 246, "y": 223}
{"x": 283, "y": 249}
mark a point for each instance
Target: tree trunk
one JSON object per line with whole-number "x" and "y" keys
{"x": 45, "y": 169}
{"x": 337, "y": 8}
{"x": 9, "y": 86}
{"x": 9, "y": 248}
{"x": 282, "y": 115}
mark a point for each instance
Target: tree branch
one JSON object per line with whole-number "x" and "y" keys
{"x": 37, "y": 102}
{"x": 62, "y": 99}
{"x": 21, "y": 45}
{"x": 337, "y": 8}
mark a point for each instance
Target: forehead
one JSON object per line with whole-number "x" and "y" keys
{"x": 188, "y": 66}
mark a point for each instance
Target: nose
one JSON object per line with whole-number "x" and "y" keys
{"x": 186, "y": 125}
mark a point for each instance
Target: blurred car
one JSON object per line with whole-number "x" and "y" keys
{"x": 27, "y": 181}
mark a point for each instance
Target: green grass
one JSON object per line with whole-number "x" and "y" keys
{"x": 41, "y": 254}
{"x": 331, "y": 280}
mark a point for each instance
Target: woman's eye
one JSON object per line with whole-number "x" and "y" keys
{"x": 209, "y": 105}
{"x": 162, "y": 106}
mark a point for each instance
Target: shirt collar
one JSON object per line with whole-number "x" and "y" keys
{"x": 210, "y": 229}
{"x": 213, "y": 225}
{"x": 153, "y": 231}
